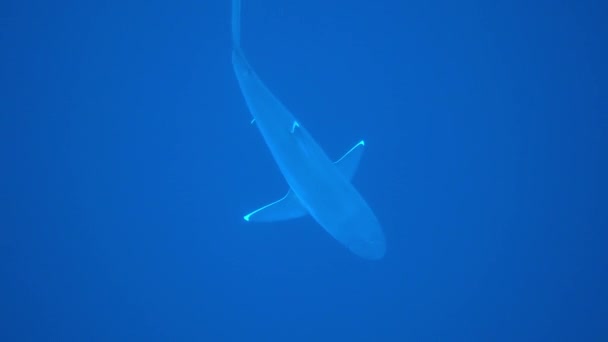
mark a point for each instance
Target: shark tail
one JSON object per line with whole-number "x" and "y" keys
{"x": 236, "y": 24}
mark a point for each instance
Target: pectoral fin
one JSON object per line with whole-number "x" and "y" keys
{"x": 350, "y": 160}
{"x": 286, "y": 208}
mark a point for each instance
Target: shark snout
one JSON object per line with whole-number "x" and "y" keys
{"x": 369, "y": 249}
{"x": 367, "y": 239}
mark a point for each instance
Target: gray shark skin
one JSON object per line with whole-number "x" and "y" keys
{"x": 318, "y": 186}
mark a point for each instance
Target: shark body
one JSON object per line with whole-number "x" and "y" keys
{"x": 317, "y": 186}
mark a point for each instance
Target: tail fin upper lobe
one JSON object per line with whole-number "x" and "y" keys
{"x": 236, "y": 24}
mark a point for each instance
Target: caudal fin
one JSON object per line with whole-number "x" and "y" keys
{"x": 236, "y": 24}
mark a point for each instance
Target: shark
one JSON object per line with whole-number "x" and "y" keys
{"x": 318, "y": 186}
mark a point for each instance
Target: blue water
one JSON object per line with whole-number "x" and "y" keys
{"x": 127, "y": 162}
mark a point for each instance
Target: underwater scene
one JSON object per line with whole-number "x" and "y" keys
{"x": 265, "y": 170}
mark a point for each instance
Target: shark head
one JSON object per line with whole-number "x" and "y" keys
{"x": 365, "y": 238}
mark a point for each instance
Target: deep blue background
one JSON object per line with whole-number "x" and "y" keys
{"x": 128, "y": 160}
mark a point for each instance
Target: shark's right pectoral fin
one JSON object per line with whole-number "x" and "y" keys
{"x": 288, "y": 207}
{"x": 350, "y": 160}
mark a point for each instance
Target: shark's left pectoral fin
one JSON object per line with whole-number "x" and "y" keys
{"x": 288, "y": 207}
{"x": 350, "y": 160}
